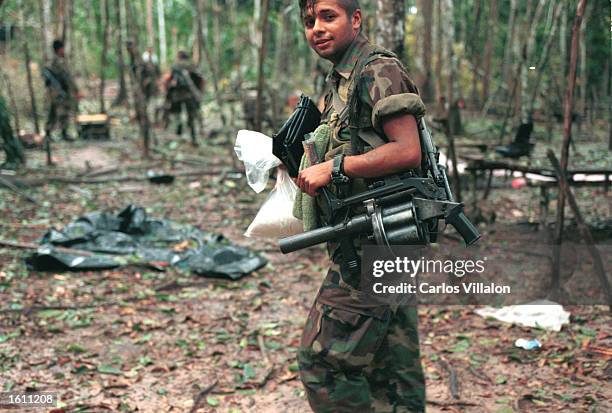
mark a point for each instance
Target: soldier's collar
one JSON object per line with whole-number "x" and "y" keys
{"x": 346, "y": 65}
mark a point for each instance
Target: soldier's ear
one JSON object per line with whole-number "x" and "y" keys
{"x": 356, "y": 19}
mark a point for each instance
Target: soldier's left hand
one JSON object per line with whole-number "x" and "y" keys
{"x": 311, "y": 179}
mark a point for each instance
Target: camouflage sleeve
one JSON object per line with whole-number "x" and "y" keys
{"x": 382, "y": 81}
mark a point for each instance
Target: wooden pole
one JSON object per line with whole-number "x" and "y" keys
{"x": 585, "y": 233}
{"x": 567, "y": 130}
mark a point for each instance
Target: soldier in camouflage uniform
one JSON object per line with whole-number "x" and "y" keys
{"x": 12, "y": 145}
{"x": 146, "y": 71}
{"x": 357, "y": 354}
{"x": 62, "y": 93}
{"x": 184, "y": 90}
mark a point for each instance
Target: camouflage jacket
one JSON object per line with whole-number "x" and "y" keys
{"x": 380, "y": 86}
{"x": 60, "y": 71}
{"x": 179, "y": 88}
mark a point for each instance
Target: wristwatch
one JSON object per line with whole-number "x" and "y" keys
{"x": 337, "y": 175}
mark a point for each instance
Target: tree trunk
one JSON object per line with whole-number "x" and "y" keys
{"x": 58, "y": 28}
{"x": 510, "y": 42}
{"x": 563, "y": 38}
{"x": 28, "y": 68}
{"x": 103, "y": 58}
{"x": 527, "y": 51}
{"x": 390, "y": 15}
{"x": 426, "y": 6}
{"x": 451, "y": 75}
{"x": 216, "y": 9}
{"x": 609, "y": 66}
{"x": 260, "y": 65}
{"x": 543, "y": 61}
{"x": 283, "y": 46}
{"x": 583, "y": 64}
{"x": 45, "y": 21}
{"x": 475, "y": 45}
{"x": 490, "y": 35}
{"x": 174, "y": 41}
{"x": 199, "y": 33}
{"x": 256, "y": 29}
{"x": 26, "y": 52}
{"x": 213, "y": 67}
{"x": 567, "y": 131}
{"x": 67, "y": 32}
{"x": 161, "y": 27}
{"x": 9, "y": 90}
{"x": 439, "y": 48}
{"x": 140, "y": 103}
{"x": 150, "y": 31}
{"x": 122, "y": 93}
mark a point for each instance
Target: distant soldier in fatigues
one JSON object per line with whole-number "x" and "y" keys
{"x": 63, "y": 95}
{"x": 184, "y": 90}
{"x": 145, "y": 70}
{"x": 12, "y": 145}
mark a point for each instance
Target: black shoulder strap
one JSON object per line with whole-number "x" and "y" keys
{"x": 370, "y": 54}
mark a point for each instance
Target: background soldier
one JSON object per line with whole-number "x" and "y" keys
{"x": 145, "y": 70}
{"x": 11, "y": 144}
{"x": 63, "y": 95}
{"x": 184, "y": 90}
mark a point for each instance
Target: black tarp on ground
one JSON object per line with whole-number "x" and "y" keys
{"x": 130, "y": 237}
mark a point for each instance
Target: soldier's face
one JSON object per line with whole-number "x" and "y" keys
{"x": 329, "y": 29}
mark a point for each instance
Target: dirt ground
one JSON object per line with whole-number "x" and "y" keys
{"x": 135, "y": 339}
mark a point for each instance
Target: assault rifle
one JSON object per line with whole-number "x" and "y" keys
{"x": 287, "y": 142}
{"x": 51, "y": 80}
{"x": 402, "y": 209}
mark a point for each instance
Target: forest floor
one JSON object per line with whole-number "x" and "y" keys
{"x": 135, "y": 339}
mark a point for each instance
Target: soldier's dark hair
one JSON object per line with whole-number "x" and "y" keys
{"x": 57, "y": 44}
{"x": 183, "y": 55}
{"x": 348, "y": 5}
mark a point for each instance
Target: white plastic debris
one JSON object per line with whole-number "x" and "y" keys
{"x": 528, "y": 344}
{"x": 255, "y": 150}
{"x": 543, "y": 314}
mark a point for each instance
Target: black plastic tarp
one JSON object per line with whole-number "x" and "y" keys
{"x": 101, "y": 240}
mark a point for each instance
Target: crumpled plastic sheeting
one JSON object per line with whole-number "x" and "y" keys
{"x": 131, "y": 238}
{"x": 544, "y": 314}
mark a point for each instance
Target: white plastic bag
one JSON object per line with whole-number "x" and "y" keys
{"x": 543, "y": 314}
{"x": 255, "y": 150}
{"x": 275, "y": 217}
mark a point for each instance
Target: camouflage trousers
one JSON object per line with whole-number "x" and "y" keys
{"x": 192, "y": 107}
{"x": 358, "y": 356}
{"x": 59, "y": 114}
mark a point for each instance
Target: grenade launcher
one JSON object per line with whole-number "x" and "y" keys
{"x": 402, "y": 209}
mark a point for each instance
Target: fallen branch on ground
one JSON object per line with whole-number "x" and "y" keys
{"x": 200, "y": 397}
{"x": 12, "y": 187}
{"x": 77, "y": 180}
